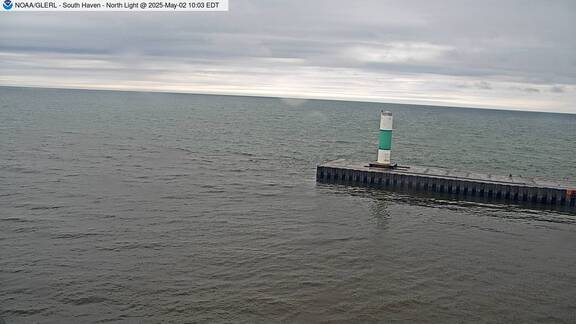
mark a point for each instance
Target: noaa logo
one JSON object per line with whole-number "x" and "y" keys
{"x": 8, "y": 4}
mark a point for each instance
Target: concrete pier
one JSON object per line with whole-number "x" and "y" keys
{"x": 457, "y": 184}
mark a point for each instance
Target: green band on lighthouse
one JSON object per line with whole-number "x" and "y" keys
{"x": 385, "y": 139}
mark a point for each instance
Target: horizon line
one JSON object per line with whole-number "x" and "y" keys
{"x": 228, "y": 94}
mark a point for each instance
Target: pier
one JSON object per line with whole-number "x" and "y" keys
{"x": 461, "y": 185}
{"x": 458, "y": 184}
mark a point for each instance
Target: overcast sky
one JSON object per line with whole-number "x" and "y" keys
{"x": 494, "y": 54}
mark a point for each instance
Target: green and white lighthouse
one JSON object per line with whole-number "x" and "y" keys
{"x": 385, "y": 138}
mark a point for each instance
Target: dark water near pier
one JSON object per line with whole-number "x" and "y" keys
{"x": 147, "y": 207}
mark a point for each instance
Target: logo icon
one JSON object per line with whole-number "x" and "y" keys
{"x": 8, "y": 4}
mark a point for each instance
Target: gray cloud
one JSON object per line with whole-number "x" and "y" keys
{"x": 532, "y": 90}
{"x": 502, "y": 46}
{"x": 483, "y": 85}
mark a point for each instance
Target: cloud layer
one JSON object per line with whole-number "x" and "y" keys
{"x": 500, "y": 54}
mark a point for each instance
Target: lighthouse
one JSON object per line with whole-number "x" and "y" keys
{"x": 385, "y": 144}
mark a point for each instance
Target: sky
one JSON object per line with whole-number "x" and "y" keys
{"x": 505, "y": 54}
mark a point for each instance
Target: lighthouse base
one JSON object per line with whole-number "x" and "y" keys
{"x": 387, "y": 166}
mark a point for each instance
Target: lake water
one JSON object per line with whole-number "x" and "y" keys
{"x": 151, "y": 207}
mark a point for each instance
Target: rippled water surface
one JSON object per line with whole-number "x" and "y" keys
{"x": 147, "y": 207}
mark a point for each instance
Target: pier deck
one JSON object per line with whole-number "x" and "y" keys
{"x": 463, "y": 185}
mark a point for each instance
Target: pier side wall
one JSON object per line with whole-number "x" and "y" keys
{"x": 466, "y": 189}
